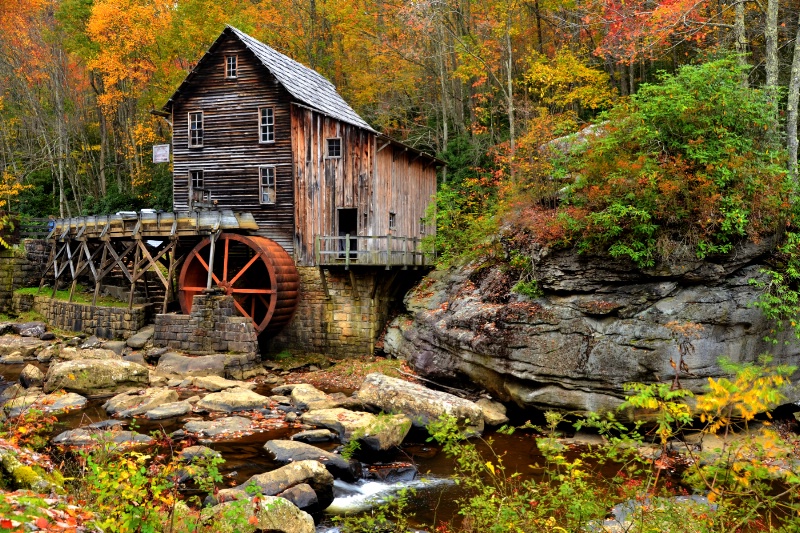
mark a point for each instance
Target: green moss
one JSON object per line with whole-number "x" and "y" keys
{"x": 80, "y": 297}
{"x": 25, "y": 477}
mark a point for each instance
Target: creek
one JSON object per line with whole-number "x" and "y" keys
{"x": 434, "y": 493}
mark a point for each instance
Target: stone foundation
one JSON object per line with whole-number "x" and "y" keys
{"x": 105, "y": 322}
{"x": 347, "y": 321}
{"x": 21, "y": 266}
{"x": 212, "y": 327}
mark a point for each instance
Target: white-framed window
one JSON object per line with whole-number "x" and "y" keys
{"x": 231, "y": 66}
{"x": 196, "y": 179}
{"x": 266, "y": 125}
{"x": 392, "y": 221}
{"x": 266, "y": 189}
{"x": 195, "y": 129}
{"x": 333, "y": 148}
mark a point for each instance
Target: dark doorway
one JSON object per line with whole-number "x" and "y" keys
{"x": 348, "y": 225}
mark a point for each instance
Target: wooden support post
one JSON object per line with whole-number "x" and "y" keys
{"x": 98, "y": 279}
{"x": 354, "y": 286}
{"x": 324, "y": 283}
{"x": 133, "y": 278}
{"x": 317, "y": 250}
{"x": 347, "y": 251}
{"x": 388, "y": 252}
{"x": 50, "y": 262}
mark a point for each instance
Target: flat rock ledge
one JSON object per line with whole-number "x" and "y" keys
{"x": 378, "y": 433}
{"x": 96, "y": 377}
{"x": 287, "y": 451}
{"x": 83, "y": 437}
{"x": 231, "y": 400}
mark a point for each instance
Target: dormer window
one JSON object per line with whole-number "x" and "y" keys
{"x": 231, "y": 66}
{"x": 266, "y": 125}
{"x": 334, "y": 148}
{"x": 195, "y": 129}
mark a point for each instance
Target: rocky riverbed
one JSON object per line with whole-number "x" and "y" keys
{"x": 284, "y": 438}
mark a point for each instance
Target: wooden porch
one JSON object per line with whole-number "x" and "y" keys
{"x": 372, "y": 250}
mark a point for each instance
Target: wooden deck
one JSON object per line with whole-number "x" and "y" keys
{"x": 135, "y": 225}
{"x": 372, "y": 250}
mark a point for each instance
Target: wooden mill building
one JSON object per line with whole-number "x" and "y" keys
{"x": 256, "y": 131}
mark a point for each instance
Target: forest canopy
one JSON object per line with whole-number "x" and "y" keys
{"x": 484, "y": 84}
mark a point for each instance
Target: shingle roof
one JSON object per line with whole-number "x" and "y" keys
{"x": 303, "y": 83}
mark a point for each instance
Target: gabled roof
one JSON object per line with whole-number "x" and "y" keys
{"x": 305, "y": 84}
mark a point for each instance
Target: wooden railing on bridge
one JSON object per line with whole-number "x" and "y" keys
{"x": 372, "y": 250}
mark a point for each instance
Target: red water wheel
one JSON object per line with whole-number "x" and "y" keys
{"x": 256, "y": 271}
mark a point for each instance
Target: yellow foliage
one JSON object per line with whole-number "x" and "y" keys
{"x": 566, "y": 82}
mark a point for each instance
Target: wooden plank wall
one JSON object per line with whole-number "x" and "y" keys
{"x": 231, "y": 153}
{"x": 323, "y": 185}
{"x": 393, "y": 180}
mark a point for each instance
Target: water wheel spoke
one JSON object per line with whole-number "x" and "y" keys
{"x": 264, "y": 301}
{"x": 237, "y": 290}
{"x": 205, "y": 265}
{"x": 244, "y": 313}
{"x": 244, "y": 268}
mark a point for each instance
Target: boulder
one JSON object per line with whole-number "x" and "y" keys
{"x": 378, "y": 433}
{"x": 218, "y": 427}
{"x": 273, "y": 515}
{"x": 494, "y": 413}
{"x": 306, "y": 472}
{"x": 216, "y": 383}
{"x": 91, "y": 342}
{"x": 600, "y": 323}
{"x": 14, "y": 358}
{"x": 308, "y": 397}
{"x": 228, "y": 401}
{"x": 191, "y": 453}
{"x": 314, "y": 435}
{"x": 138, "y": 340}
{"x": 129, "y": 404}
{"x": 47, "y": 403}
{"x": 169, "y": 410}
{"x": 95, "y": 377}
{"x": 27, "y": 347}
{"x": 287, "y": 451}
{"x": 47, "y": 353}
{"x": 136, "y": 357}
{"x": 31, "y": 329}
{"x": 70, "y": 353}
{"x": 31, "y": 376}
{"x": 90, "y": 437}
{"x": 421, "y": 404}
{"x": 302, "y": 495}
{"x": 173, "y": 364}
{"x": 118, "y": 347}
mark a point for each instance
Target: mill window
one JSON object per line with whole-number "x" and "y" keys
{"x": 266, "y": 124}
{"x": 392, "y": 220}
{"x": 231, "y": 66}
{"x": 267, "y": 185}
{"x": 334, "y": 148}
{"x": 198, "y": 194}
{"x": 195, "y": 129}
{"x": 422, "y": 226}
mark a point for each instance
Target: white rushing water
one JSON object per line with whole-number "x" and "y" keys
{"x": 364, "y": 495}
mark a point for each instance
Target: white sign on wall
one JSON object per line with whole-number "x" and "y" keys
{"x": 160, "y": 153}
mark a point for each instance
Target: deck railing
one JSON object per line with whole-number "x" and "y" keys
{"x": 380, "y": 250}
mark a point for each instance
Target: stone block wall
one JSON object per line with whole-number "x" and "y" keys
{"x": 347, "y": 321}
{"x": 212, "y": 327}
{"x": 21, "y": 266}
{"x": 105, "y": 322}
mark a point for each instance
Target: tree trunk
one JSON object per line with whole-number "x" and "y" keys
{"x": 740, "y": 37}
{"x": 791, "y": 108}
{"x": 771, "y": 52}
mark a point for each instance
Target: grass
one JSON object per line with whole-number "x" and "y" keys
{"x": 79, "y": 297}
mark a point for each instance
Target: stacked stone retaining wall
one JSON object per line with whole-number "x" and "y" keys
{"x": 348, "y": 320}
{"x": 21, "y": 266}
{"x": 105, "y": 322}
{"x": 211, "y": 327}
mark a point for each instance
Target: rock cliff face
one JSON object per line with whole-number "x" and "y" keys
{"x": 599, "y": 324}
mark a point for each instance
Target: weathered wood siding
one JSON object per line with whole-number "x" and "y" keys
{"x": 231, "y": 153}
{"x": 393, "y": 180}
{"x": 322, "y": 184}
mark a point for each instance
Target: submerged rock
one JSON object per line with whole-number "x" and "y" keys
{"x": 287, "y": 451}
{"x": 310, "y": 473}
{"x": 26, "y": 347}
{"x": 421, "y": 404}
